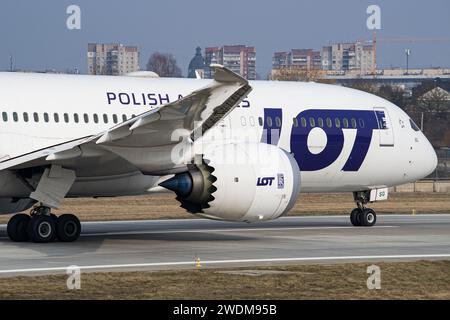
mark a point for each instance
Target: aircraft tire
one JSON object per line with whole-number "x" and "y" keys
{"x": 17, "y": 228}
{"x": 355, "y": 216}
{"x": 68, "y": 228}
{"x": 368, "y": 218}
{"x": 42, "y": 229}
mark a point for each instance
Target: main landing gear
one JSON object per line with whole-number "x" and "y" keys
{"x": 42, "y": 226}
{"x": 362, "y": 216}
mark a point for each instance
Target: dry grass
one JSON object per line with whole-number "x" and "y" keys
{"x": 164, "y": 206}
{"x": 399, "y": 280}
{"x": 335, "y": 203}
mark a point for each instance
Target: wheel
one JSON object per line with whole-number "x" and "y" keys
{"x": 17, "y": 228}
{"x": 68, "y": 228}
{"x": 42, "y": 229}
{"x": 355, "y": 217}
{"x": 368, "y": 218}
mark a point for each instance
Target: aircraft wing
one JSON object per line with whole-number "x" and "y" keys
{"x": 194, "y": 114}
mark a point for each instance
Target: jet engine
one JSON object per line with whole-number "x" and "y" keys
{"x": 239, "y": 182}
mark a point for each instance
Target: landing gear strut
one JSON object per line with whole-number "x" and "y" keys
{"x": 41, "y": 226}
{"x": 362, "y": 216}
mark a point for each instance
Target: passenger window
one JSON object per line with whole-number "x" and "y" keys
{"x": 115, "y": 118}
{"x": 295, "y": 122}
{"x": 5, "y": 116}
{"x": 66, "y": 118}
{"x": 269, "y": 122}
{"x": 46, "y": 118}
{"x": 260, "y": 121}
{"x": 337, "y": 122}
{"x": 361, "y": 123}
{"x": 320, "y": 122}
{"x": 252, "y": 121}
{"x": 25, "y": 117}
{"x": 86, "y": 118}
{"x": 124, "y": 117}
{"x": 105, "y": 118}
{"x": 278, "y": 122}
{"x": 345, "y": 122}
{"x": 329, "y": 123}
{"x": 303, "y": 121}
{"x": 95, "y": 118}
{"x": 56, "y": 117}
{"x": 243, "y": 122}
{"x": 15, "y": 117}
{"x": 76, "y": 118}
{"x": 36, "y": 117}
{"x": 354, "y": 123}
{"x": 312, "y": 122}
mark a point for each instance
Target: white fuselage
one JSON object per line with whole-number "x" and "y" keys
{"x": 38, "y": 111}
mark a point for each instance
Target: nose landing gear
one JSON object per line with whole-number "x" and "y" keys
{"x": 41, "y": 226}
{"x": 362, "y": 216}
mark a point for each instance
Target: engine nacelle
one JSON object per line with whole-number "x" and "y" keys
{"x": 239, "y": 182}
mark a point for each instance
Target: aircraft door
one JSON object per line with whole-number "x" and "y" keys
{"x": 386, "y": 130}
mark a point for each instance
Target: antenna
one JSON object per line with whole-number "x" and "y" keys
{"x": 407, "y": 53}
{"x": 11, "y": 67}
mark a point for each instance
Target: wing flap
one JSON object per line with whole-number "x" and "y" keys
{"x": 43, "y": 153}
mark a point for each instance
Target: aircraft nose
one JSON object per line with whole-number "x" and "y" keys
{"x": 434, "y": 158}
{"x": 429, "y": 160}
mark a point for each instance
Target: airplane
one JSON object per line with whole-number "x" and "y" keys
{"x": 230, "y": 149}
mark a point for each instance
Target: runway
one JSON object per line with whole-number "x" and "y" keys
{"x": 172, "y": 244}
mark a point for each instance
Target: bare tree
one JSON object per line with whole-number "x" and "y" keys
{"x": 394, "y": 94}
{"x": 298, "y": 74}
{"x": 430, "y": 105}
{"x": 164, "y": 64}
{"x": 364, "y": 85}
{"x": 436, "y": 100}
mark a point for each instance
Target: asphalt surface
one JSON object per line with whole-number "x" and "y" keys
{"x": 172, "y": 244}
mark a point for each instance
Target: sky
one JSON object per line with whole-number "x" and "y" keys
{"x": 36, "y": 35}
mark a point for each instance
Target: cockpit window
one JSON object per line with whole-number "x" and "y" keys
{"x": 413, "y": 125}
